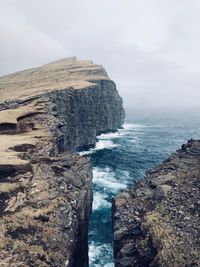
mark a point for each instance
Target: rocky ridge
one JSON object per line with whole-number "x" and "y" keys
{"x": 157, "y": 223}
{"x": 47, "y": 114}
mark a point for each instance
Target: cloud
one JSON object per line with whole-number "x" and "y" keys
{"x": 151, "y": 49}
{"x": 22, "y": 45}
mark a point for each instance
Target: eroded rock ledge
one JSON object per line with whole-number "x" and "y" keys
{"x": 157, "y": 223}
{"x": 46, "y": 114}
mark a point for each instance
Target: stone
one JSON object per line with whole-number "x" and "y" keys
{"x": 168, "y": 229}
{"x": 47, "y": 114}
{"x": 162, "y": 179}
{"x": 161, "y": 191}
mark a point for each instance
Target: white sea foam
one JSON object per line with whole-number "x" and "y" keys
{"x": 109, "y": 136}
{"x": 84, "y": 153}
{"x": 107, "y": 179}
{"x": 96, "y": 251}
{"x": 124, "y": 174}
{"x": 100, "y": 145}
{"x": 109, "y": 265}
{"x": 99, "y": 201}
{"x": 126, "y": 128}
{"x": 105, "y": 141}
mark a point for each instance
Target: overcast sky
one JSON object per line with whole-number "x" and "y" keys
{"x": 150, "y": 48}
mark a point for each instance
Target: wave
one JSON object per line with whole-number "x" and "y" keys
{"x": 94, "y": 252}
{"x": 105, "y": 141}
{"x": 107, "y": 179}
{"x": 100, "y": 202}
{"x": 125, "y": 174}
{"x": 109, "y": 136}
{"x": 121, "y": 132}
{"x": 98, "y": 252}
{"x": 100, "y": 145}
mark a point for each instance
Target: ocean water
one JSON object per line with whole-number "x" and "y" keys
{"x": 119, "y": 159}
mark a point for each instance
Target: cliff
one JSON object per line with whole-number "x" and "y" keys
{"x": 156, "y": 223}
{"x": 46, "y": 114}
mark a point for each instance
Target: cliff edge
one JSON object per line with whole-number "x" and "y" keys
{"x": 157, "y": 223}
{"x": 47, "y": 114}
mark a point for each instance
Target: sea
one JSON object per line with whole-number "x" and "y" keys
{"x": 122, "y": 158}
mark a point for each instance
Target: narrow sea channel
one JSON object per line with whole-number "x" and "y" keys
{"x": 119, "y": 159}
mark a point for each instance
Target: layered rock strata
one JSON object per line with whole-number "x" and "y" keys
{"x": 46, "y": 114}
{"x": 157, "y": 222}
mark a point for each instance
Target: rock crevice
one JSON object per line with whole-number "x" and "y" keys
{"x": 47, "y": 114}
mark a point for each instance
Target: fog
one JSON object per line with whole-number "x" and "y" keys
{"x": 151, "y": 49}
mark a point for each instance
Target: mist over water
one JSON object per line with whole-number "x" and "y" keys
{"x": 121, "y": 158}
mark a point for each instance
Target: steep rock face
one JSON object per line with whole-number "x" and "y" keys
{"x": 46, "y": 114}
{"x": 156, "y": 223}
{"x": 89, "y": 112}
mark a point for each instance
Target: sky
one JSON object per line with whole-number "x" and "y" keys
{"x": 150, "y": 48}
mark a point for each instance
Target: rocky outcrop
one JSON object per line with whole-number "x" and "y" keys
{"x": 46, "y": 114}
{"x": 91, "y": 111}
{"x": 156, "y": 223}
